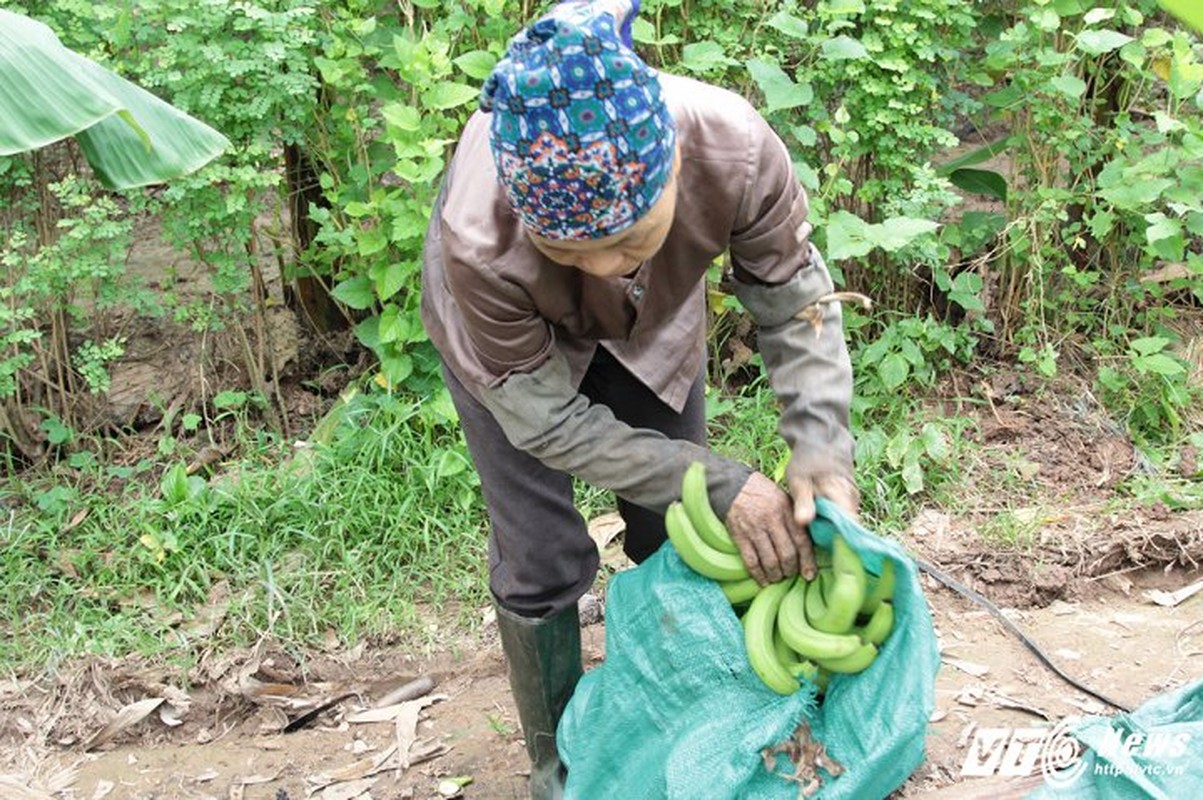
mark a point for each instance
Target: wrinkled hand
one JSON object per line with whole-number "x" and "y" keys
{"x": 773, "y": 544}
{"x": 835, "y": 486}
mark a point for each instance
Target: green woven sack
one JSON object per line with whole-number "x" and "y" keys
{"x": 676, "y": 713}
{"x": 1153, "y": 753}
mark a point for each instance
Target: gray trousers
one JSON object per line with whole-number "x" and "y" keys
{"x": 541, "y": 559}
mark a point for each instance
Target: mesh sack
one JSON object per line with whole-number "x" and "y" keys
{"x": 677, "y": 712}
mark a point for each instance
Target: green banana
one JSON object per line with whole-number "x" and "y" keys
{"x": 801, "y": 637}
{"x": 697, "y": 555}
{"x": 881, "y": 588}
{"x": 740, "y": 591}
{"x": 845, "y": 593}
{"x": 879, "y": 625}
{"x": 805, "y": 670}
{"x": 785, "y": 654}
{"x": 858, "y": 661}
{"x": 759, "y": 629}
{"x": 816, "y": 606}
{"x": 696, "y": 499}
{"x": 799, "y": 666}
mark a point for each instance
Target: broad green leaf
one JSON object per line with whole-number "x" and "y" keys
{"x": 1097, "y": 42}
{"x": 1101, "y": 223}
{"x": 396, "y": 366}
{"x": 402, "y": 116}
{"x": 450, "y": 464}
{"x": 897, "y": 232}
{"x": 1004, "y": 98}
{"x": 897, "y": 447}
{"x": 1186, "y": 75}
{"x": 935, "y": 443}
{"x": 789, "y": 25}
{"x": 974, "y": 157}
{"x": 705, "y": 57}
{"x": 644, "y": 32}
{"x": 842, "y": 48}
{"x": 1164, "y": 236}
{"x": 780, "y": 90}
{"x": 1136, "y": 192}
{"x": 450, "y": 94}
{"x": 805, "y": 135}
{"x": 1147, "y": 345}
{"x": 389, "y": 279}
{"x": 394, "y": 325}
{"x": 1071, "y": 8}
{"x": 1097, "y": 15}
{"x": 1161, "y": 227}
{"x": 355, "y": 292}
{"x": 130, "y": 137}
{"x": 893, "y": 371}
{"x": 1160, "y": 364}
{"x": 1046, "y": 19}
{"x": 1166, "y": 123}
{"x": 230, "y": 398}
{"x": 368, "y": 333}
{"x": 476, "y": 64}
{"x": 847, "y": 236}
{"x": 1071, "y": 86}
{"x": 981, "y": 181}
{"x": 838, "y": 7}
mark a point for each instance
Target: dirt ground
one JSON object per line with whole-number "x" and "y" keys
{"x": 1085, "y": 573}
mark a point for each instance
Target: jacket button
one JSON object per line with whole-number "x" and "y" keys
{"x": 636, "y": 292}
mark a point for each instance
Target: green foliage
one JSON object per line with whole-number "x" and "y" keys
{"x": 397, "y": 90}
{"x": 904, "y": 453}
{"x": 1149, "y": 387}
{"x": 361, "y": 536}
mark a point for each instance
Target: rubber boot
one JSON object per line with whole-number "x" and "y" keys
{"x": 544, "y": 657}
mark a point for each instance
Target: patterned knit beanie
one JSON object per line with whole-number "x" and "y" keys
{"x": 581, "y": 136}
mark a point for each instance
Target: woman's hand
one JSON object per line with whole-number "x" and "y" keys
{"x": 835, "y": 486}
{"x": 772, "y": 542}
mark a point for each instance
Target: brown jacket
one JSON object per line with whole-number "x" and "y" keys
{"x": 519, "y": 330}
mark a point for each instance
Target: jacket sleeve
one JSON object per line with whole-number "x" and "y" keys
{"x": 778, "y": 274}
{"x": 542, "y": 414}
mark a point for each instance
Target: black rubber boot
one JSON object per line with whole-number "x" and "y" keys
{"x": 544, "y": 657}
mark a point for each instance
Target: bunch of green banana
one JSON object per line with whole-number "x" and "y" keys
{"x": 793, "y": 629}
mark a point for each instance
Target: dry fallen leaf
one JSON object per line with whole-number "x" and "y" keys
{"x": 1176, "y": 598}
{"x": 407, "y": 730}
{"x": 390, "y": 713}
{"x": 968, "y": 667}
{"x": 14, "y": 787}
{"x": 605, "y": 529}
{"x": 347, "y": 791}
{"x": 254, "y": 780}
{"x": 126, "y": 718}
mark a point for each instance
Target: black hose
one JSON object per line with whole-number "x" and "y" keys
{"x": 962, "y": 589}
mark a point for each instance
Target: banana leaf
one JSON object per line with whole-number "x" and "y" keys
{"x": 1189, "y": 11}
{"x": 129, "y": 136}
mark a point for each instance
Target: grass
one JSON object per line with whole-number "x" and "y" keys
{"x": 360, "y": 537}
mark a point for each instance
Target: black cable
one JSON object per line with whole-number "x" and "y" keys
{"x": 962, "y": 589}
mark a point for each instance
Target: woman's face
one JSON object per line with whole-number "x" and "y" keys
{"x": 622, "y": 253}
